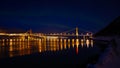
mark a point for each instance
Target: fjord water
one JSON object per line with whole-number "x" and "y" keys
{"x": 43, "y": 52}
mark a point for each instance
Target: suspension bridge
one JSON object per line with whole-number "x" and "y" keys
{"x": 75, "y": 32}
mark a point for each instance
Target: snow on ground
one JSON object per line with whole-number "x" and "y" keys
{"x": 111, "y": 57}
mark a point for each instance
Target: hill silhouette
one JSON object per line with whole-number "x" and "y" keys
{"x": 15, "y": 30}
{"x": 112, "y": 29}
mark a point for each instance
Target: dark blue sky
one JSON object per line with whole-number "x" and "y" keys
{"x": 57, "y": 15}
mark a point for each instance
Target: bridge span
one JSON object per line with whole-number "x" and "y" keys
{"x": 33, "y": 36}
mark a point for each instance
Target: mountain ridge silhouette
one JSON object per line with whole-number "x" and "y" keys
{"x": 112, "y": 29}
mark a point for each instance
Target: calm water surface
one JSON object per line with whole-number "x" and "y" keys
{"x": 64, "y": 50}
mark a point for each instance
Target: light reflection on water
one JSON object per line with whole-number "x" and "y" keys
{"x": 18, "y": 48}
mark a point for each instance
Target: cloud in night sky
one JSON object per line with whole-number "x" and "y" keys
{"x": 58, "y": 14}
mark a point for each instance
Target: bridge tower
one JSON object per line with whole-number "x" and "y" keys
{"x": 29, "y": 34}
{"x": 76, "y": 31}
{"x": 30, "y": 31}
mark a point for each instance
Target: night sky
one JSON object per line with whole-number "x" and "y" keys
{"x": 57, "y": 15}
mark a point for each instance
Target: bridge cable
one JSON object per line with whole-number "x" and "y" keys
{"x": 68, "y": 30}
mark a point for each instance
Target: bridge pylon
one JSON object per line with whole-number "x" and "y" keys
{"x": 77, "y": 33}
